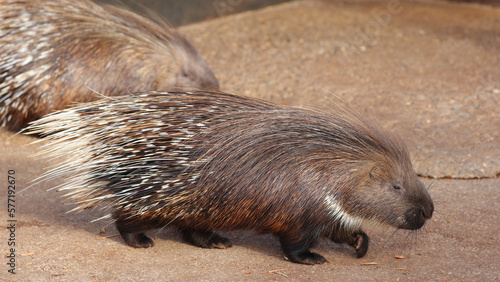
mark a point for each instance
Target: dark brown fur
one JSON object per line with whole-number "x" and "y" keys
{"x": 206, "y": 161}
{"x": 57, "y": 52}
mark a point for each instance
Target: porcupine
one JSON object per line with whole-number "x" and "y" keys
{"x": 57, "y": 52}
{"x": 206, "y": 161}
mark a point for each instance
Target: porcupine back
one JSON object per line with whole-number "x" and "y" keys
{"x": 154, "y": 155}
{"x": 56, "y": 52}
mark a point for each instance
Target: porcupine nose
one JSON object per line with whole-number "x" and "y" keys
{"x": 427, "y": 210}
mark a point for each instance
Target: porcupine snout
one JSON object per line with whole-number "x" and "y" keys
{"x": 423, "y": 209}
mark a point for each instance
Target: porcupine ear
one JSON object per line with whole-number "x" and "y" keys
{"x": 375, "y": 172}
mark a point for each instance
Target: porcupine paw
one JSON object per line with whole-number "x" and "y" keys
{"x": 206, "y": 239}
{"x": 305, "y": 257}
{"x": 138, "y": 240}
{"x": 298, "y": 251}
{"x": 360, "y": 242}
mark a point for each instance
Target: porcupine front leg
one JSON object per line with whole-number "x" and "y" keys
{"x": 359, "y": 240}
{"x": 298, "y": 251}
{"x": 205, "y": 239}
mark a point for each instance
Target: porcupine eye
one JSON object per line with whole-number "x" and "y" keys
{"x": 186, "y": 74}
{"x": 396, "y": 187}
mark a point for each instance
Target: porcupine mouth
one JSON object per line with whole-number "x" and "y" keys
{"x": 415, "y": 218}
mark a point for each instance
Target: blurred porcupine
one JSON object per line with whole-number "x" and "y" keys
{"x": 56, "y": 52}
{"x": 205, "y": 161}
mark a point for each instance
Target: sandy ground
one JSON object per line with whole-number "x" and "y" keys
{"x": 428, "y": 71}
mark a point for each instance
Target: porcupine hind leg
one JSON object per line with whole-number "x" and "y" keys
{"x": 132, "y": 231}
{"x": 359, "y": 240}
{"x": 299, "y": 251}
{"x": 205, "y": 239}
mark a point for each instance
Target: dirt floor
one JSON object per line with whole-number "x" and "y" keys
{"x": 428, "y": 71}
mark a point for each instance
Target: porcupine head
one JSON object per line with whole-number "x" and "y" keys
{"x": 377, "y": 185}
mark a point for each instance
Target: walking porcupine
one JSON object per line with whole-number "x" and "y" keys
{"x": 55, "y": 52}
{"x": 205, "y": 161}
